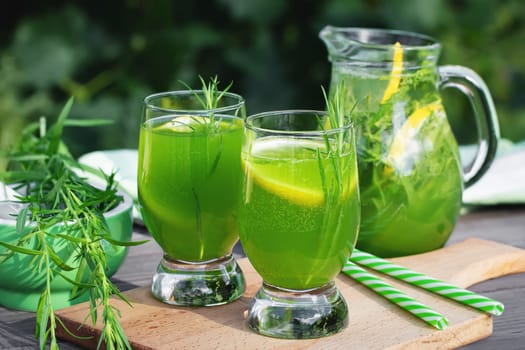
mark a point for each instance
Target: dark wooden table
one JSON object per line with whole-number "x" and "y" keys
{"x": 502, "y": 224}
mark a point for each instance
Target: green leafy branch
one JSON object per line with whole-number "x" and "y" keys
{"x": 61, "y": 205}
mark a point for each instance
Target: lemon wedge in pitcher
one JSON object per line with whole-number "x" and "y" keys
{"x": 403, "y": 144}
{"x": 395, "y": 74}
{"x": 410, "y": 127}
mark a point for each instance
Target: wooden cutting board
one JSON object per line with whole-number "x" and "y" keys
{"x": 374, "y": 323}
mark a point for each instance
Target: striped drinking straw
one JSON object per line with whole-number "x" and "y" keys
{"x": 430, "y": 284}
{"x": 396, "y": 296}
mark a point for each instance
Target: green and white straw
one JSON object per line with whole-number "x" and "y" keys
{"x": 433, "y": 285}
{"x": 396, "y": 296}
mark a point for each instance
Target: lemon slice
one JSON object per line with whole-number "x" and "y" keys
{"x": 406, "y": 134}
{"x": 184, "y": 124}
{"x": 295, "y": 181}
{"x": 303, "y": 196}
{"x": 395, "y": 74}
{"x": 409, "y": 128}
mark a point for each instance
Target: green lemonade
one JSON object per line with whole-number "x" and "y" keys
{"x": 297, "y": 226}
{"x": 189, "y": 184}
{"x": 410, "y": 175}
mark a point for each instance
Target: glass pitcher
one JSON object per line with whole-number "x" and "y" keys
{"x": 410, "y": 174}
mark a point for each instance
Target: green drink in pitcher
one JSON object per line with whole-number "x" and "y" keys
{"x": 402, "y": 212}
{"x": 409, "y": 167}
{"x": 189, "y": 176}
{"x": 410, "y": 175}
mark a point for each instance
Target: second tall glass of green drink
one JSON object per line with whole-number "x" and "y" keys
{"x": 299, "y": 218}
{"x": 189, "y": 187}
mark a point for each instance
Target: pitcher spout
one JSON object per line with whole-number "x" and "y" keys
{"x": 371, "y": 46}
{"x": 337, "y": 43}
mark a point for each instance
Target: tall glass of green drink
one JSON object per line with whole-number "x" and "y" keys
{"x": 298, "y": 219}
{"x": 189, "y": 176}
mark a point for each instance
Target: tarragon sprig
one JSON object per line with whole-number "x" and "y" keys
{"x": 209, "y": 101}
{"x": 61, "y": 205}
{"x": 210, "y": 98}
{"x": 338, "y": 116}
{"x": 333, "y": 186}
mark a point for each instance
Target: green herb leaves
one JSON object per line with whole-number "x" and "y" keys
{"x": 62, "y": 226}
{"x": 209, "y": 98}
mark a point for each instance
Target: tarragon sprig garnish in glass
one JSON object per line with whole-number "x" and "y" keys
{"x": 337, "y": 117}
{"x": 209, "y": 100}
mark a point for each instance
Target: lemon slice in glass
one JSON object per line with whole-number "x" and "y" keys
{"x": 287, "y": 168}
{"x": 184, "y": 124}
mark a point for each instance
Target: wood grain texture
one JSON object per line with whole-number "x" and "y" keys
{"x": 374, "y": 323}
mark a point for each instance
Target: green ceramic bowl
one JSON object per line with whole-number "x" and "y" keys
{"x": 21, "y": 284}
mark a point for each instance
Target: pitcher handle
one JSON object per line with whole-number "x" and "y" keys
{"x": 472, "y": 85}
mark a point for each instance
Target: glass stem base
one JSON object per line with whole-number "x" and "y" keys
{"x": 210, "y": 283}
{"x": 289, "y": 314}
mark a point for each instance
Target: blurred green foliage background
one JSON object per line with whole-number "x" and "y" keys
{"x": 110, "y": 54}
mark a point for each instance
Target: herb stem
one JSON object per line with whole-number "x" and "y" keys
{"x": 198, "y": 222}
